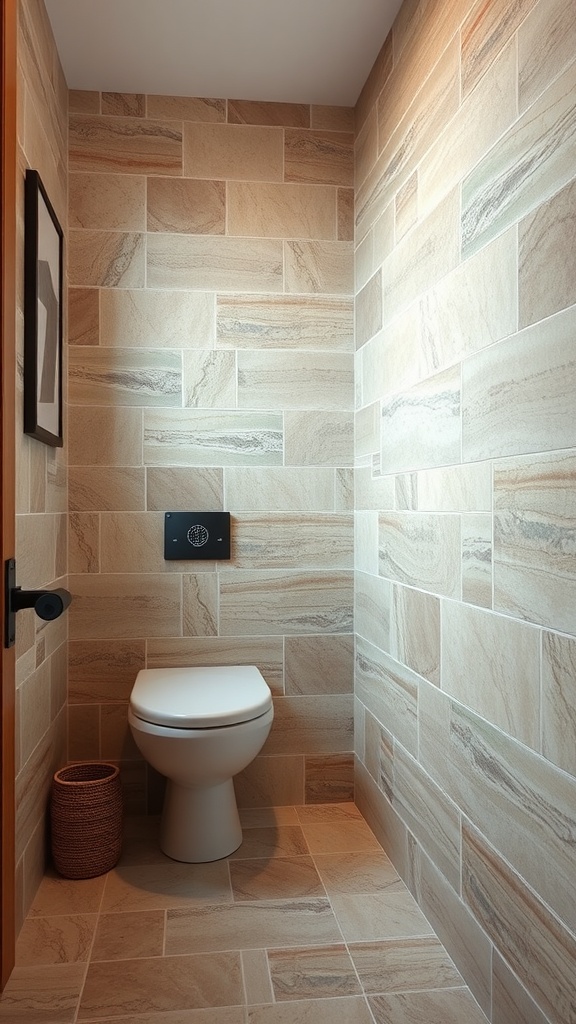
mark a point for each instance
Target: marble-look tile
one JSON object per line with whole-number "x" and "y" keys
{"x": 345, "y": 214}
{"x": 339, "y": 836}
{"x": 295, "y": 380}
{"x": 406, "y": 206}
{"x": 57, "y": 896}
{"x": 271, "y": 780}
{"x": 366, "y": 148}
{"x": 100, "y": 673}
{"x": 42, "y": 995}
{"x": 314, "y": 540}
{"x": 545, "y": 258}
{"x": 341, "y": 812}
{"x": 130, "y": 606}
{"x": 318, "y": 266}
{"x": 83, "y": 316}
{"x": 289, "y": 602}
{"x": 435, "y": 1007}
{"x": 368, "y": 917}
{"x": 266, "y": 652}
{"x": 127, "y": 936}
{"x": 318, "y": 664}
{"x": 558, "y": 700}
{"x": 329, "y": 776}
{"x": 124, "y": 376}
{"x": 180, "y": 488}
{"x": 113, "y": 202}
{"x": 373, "y": 492}
{"x": 123, "y": 104}
{"x": 207, "y": 1015}
{"x": 367, "y": 431}
{"x": 278, "y": 210}
{"x": 183, "y": 204}
{"x": 83, "y": 101}
{"x": 415, "y": 631}
{"x": 477, "y": 559}
{"x": 546, "y": 42}
{"x": 465, "y": 488}
{"x": 391, "y": 361}
{"x": 127, "y": 145}
{"x": 375, "y": 82}
{"x": 277, "y": 878}
{"x": 368, "y": 310}
{"x": 533, "y": 373}
{"x": 200, "y": 604}
{"x": 530, "y": 163}
{"x": 110, "y": 489}
{"x": 157, "y": 318}
{"x": 282, "y": 489}
{"x": 534, "y": 510}
{"x": 268, "y": 817}
{"x": 319, "y": 157}
{"x": 372, "y": 607}
{"x": 209, "y": 262}
{"x": 132, "y": 542}
{"x": 112, "y": 259}
{"x": 421, "y": 550}
{"x": 160, "y": 984}
{"x": 84, "y": 542}
{"x": 209, "y": 379}
{"x": 294, "y": 115}
{"x": 233, "y": 151}
{"x": 318, "y": 438}
{"x": 253, "y": 925}
{"x": 540, "y": 950}
{"x": 186, "y": 108}
{"x": 361, "y": 872}
{"x": 404, "y": 965}
{"x": 330, "y": 118}
{"x": 421, "y": 428}
{"x": 341, "y": 1010}
{"x": 156, "y": 887}
{"x": 224, "y": 438}
{"x": 511, "y": 1003}
{"x": 64, "y": 939}
{"x": 421, "y": 34}
{"x": 316, "y": 724}
{"x": 366, "y": 542}
{"x": 315, "y": 972}
{"x": 285, "y": 322}
{"x": 256, "y": 974}
{"x": 485, "y": 32}
{"x": 384, "y": 234}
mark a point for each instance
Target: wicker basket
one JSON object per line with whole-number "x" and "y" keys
{"x": 86, "y": 819}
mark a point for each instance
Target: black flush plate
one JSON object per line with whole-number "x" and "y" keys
{"x": 196, "y": 535}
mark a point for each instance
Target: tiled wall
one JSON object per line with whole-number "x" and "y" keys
{"x": 211, "y": 367}
{"x": 465, "y": 483}
{"x": 41, "y": 495}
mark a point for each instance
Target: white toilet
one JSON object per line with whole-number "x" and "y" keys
{"x": 199, "y": 727}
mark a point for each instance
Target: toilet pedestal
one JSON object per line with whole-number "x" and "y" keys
{"x": 214, "y": 807}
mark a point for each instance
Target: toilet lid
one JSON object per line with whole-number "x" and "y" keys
{"x": 200, "y": 698}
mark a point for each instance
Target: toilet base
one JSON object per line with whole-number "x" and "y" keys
{"x": 200, "y": 823}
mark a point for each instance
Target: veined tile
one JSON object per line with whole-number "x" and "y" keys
{"x": 375, "y": 82}
{"x": 339, "y": 836}
{"x": 266, "y": 652}
{"x": 209, "y": 379}
{"x": 200, "y": 604}
{"x": 373, "y": 492}
{"x": 83, "y": 101}
{"x": 42, "y": 994}
{"x": 406, "y": 207}
{"x": 110, "y": 259}
{"x": 415, "y": 631}
{"x": 105, "y": 436}
{"x": 545, "y": 256}
{"x": 291, "y": 540}
{"x": 319, "y": 156}
{"x": 361, "y": 872}
{"x": 100, "y": 673}
{"x": 318, "y": 438}
{"x": 318, "y": 266}
{"x": 124, "y": 376}
{"x": 484, "y": 33}
{"x": 255, "y": 925}
{"x": 366, "y": 917}
{"x": 83, "y": 316}
{"x": 256, "y": 977}
{"x": 282, "y": 489}
{"x": 131, "y": 606}
{"x": 440, "y": 1006}
{"x": 196, "y": 438}
{"x": 366, "y": 148}
{"x": 330, "y": 118}
{"x": 123, "y": 104}
{"x": 275, "y": 878}
{"x": 546, "y": 45}
{"x": 279, "y": 210}
{"x": 133, "y": 542}
{"x": 126, "y": 144}
{"x": 420, "y": 37}
{"x": 345, "y": 214}
{"x": 404, "y": 965}
{"x": 295, "y": 380}
{"x": 392, "y": 360}
{"x": 368, "y": 310}
{"x": 329, "y": 776}
{"x": 319, "y": 664}
{"x": 83, "y": 542}
{"x": 153, "y": 887}
{"x": 389, "y": 691}
{"x": 180, "y": 488}
{"x": 208, "y": 262}
{"x": 510, "y": 1000}
{"x": 367, "y": 430}
{"x": 184, "y": 204}
{"x": 113, "y": 489}
{"x": 295, "y": 115}
{"x": 271, "y": 781}
{"x": 366, "y": 542}
{"x": 157, "y": 319}
{"x": 56, "y": 896}
{"x": 55, "y": 940}
{"x": 127, "y": 936}
{"x": 466, "y": 488}
{"x": 237, "y": 152}
{"x": 314, "y": 972}
{"x": 559, "y": 701}
{"x": 115, "y": 202}
{"x": 317, "y": 724}
{"x": 186, "y": 108}
{"x": 477, "y": 559}
{"x": 421, "y": 549}
{"x": 372, "y": 608}
{"x": 421, "y": 428}
{"x": 289, "y": 602}
{"x": 341, "y": 1010}
{"x": 278, "y": 322}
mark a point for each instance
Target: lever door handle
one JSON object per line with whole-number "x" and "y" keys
{"x": 48, "y": 604}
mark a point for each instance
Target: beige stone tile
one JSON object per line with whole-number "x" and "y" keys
{"x": 540, "y": 142}
{"x": 329, "y": 777}
{"x": 546, "y": 41}
{"x": 314, "y": 540}
{"x": 342, "y": 837}
{"x": 295, "y": 115}
{"x": 251, "y": 925}
{"x": 61, "y": 896}
{"x": 179, "y": 489}
{"x": 364, "y": 261}
{"x": 256, "y": 975}
{"x": 281, "y": 210}
{"x": 285, "y": 322}
{"x": 124, "y": 376}
{"x": 114, "y": 202}
{"x": 318, "y": 438}
{"x": 203, "y": 438}
{"x": 534, "y": 511}
{"x": 366, "y": 542}
{"x": 345, "y": 214}
{"x": 282, "y": 489}
{"x": 156, "y": 887}
{"x": 477, "y": 559}
{"x": 239, "y": 152}
{"x": 55, "y": 940}
{"x": 83, "y": 316}
{"x": 311, "y": 725}
{"x": 366, "y": 149}
{"x": 420, "y": 36}
{"x": 372, "y": 607}
{"x": 319, "y": 156}
{"x": 105, "y": 437}
{"x": 371, "y": 916}
{"x": 390, "y": 692}
{"x": 83, "y": 101}
{"x": 124, "y": 936}
{"x": 466, "y": 488}
{"x": 317, "y": 664}
{"x": 130, "y": 606}
{"x": 209, "y": 379}
{"x": 84, "y": 732}
{"x": 113, "y": 489}
{"x": 421, "y": 549}
{"x": 375, "y": 82}
{"x": 319, "y": 266}
{"x": 435, "y": 1007}
{"x": 42, "y": 995}
{"x": 363, "y": 872}
{"x": 341, "y": 1010}
{"x": 133, "y": 542}
{"x": 208, "y": 1015}
{"x": 208, "y": 262}
{"x": 511, "y": 1002}
{"x": 126, "y": 144}
{"x": 117, "y": 742}
{"x": 341, "y": 812}
{"x": 367, "y": 423}
{"x": 263, "y": 651}
{"x": 285, "y": 601}
{"x": 558, "y": 703}
{"x": 184, "y": 204}
{"x": 123, "y": 104}
{"x": 157, "y": 319}
{"x": 390, "y": 361}
{"x": 277, "y": 878}
{"x": 545, "y": 963}
{"x": 186, "y": 108}
{"x": 271, "y": 780}
{"x": 330, "y": 118}
{"x": 164, "y": 983}
{"x": 401, "y": 965}
{"x": 316, "y": 972}
{"x": 406, "y": 206}
{"x": 373, "y": 492}
{"x": 415, "y": 631}
{"x": 84, "y": 542}
{"x": 485, "y": 32}
{"x": 113, "y": 259}
{"x": 200, "y": 604}
{"x": 368, "y": 310}
{"x": 545, "y": 257}
{"x": 421, "y": 428}
{"x": 99, "y": 673}
{"x": 268, "y": 817}
{"x": 36, "y": 548}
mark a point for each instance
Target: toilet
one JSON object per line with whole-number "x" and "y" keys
{"x": 199, "y": 727}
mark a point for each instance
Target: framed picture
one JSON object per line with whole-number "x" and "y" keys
{"x": 43, "y": 266}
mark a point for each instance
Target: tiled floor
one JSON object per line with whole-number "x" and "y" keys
{"x": 306, "y": 922}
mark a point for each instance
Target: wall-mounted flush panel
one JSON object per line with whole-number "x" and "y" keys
{"x": 193, "y": 535}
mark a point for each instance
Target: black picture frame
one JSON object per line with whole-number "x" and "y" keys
{"x": 43, "y": 276}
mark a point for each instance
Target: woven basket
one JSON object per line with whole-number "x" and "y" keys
{"x": 86, "y": 819}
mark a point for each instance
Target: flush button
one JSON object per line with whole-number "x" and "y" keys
{"x": 196, "y": 535}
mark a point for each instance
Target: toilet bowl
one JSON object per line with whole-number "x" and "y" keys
{"x": 199, "y": 727}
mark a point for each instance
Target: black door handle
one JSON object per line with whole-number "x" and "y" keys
{"x": 48, "y": 604}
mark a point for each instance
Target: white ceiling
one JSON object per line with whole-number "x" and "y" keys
{"x": 297, "y": 51}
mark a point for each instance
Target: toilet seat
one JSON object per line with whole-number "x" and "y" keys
{"x": 200, "y": 698}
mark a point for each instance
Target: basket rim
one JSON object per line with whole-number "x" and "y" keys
{"x": 112, "y": 774}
